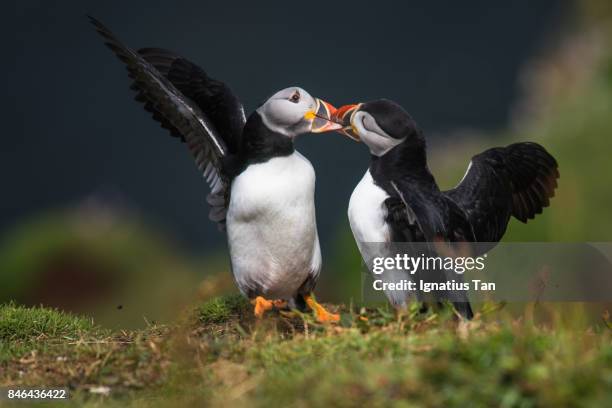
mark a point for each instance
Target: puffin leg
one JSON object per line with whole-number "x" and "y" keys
{"x": 262, "y": 305}
{"x": 280, "y": 304}
{"x": 323, "y": 316}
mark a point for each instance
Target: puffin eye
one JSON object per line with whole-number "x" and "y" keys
{"x": 295, "y": 98}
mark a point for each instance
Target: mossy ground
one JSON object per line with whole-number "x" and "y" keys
{"x": 219, "y": 355}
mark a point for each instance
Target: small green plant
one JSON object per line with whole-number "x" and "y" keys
{"x": 220, "y": 309}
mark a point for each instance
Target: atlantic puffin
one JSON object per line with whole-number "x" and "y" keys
{"x": 398, "y": 199}
{"x": 262, "y": 189}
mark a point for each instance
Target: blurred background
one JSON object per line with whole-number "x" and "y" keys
{"x": 103, "y": 213}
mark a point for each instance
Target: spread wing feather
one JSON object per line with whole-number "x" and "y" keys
{"x": 213, "y": 97}
{"x": 517, "y": 180}
{"x": 202, "y": 112}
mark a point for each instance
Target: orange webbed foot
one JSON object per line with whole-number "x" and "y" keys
{"x": 261, "y": 306}
{"x": 322, "y": 315}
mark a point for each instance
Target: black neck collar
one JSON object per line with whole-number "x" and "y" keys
{"x": 408, "y": 160}
{"x": 259, "y": 144}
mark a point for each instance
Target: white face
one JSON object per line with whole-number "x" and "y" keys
{"x": 371, "y": 134}
{"x": 289, "y": 112}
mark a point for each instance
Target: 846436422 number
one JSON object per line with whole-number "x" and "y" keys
{"x": 34, "y": 393}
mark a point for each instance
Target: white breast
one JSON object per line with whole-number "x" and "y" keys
{"x": 367, "y": 212}
{"x": 271, "y": 226}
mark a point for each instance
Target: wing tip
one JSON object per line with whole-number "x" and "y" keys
{"x": 100, "y": 28}
{"x": 110, "y": 40}
{"x": 542, "y": 189}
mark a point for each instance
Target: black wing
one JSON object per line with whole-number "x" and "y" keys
{"x": 183, "y": 117}
{"x": 213, "y": 97}
{"x": 417, "y": 217}
{"x": 412, "y": 216}
{"x": 517, "y": 180}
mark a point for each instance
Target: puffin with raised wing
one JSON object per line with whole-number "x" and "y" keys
{"x": 398, "y": 199}
{"x": 262, "y": 189}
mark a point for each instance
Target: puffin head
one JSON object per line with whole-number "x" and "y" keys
{"x": 293, "y": 111}
{"x": 381, "y": 124}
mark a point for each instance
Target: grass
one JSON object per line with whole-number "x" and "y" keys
{"x": 18, "y": 323}
{"x": 220, "y": 355}
{"x": 22, "y": 330}
{"x": 45, "y": 347}
{"x": 223, "y": 308}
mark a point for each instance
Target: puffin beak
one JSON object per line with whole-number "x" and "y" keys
{"x": 322, "y": 117}
{"x": 343, "y": 116}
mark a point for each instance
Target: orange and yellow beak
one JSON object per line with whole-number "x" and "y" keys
{"x": 322, "y": 116}
{"x": 343, "y": 116}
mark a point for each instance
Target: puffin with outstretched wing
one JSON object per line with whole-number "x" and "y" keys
{"x": 398, "y": 199}
{"x": 262, "y": 189}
